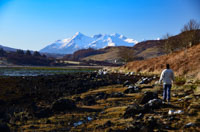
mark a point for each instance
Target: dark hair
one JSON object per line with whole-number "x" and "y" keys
{"x": 167, "y": 66}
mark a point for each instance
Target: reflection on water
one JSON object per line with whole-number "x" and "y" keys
{"x": 36, "y": 72}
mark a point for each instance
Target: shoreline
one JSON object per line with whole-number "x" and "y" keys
{"x": 62, "y": 67}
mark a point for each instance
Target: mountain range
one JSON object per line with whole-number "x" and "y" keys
{"x": 81, "y": 41}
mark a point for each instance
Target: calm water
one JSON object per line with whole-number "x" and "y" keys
{"x": 37, "y": 71}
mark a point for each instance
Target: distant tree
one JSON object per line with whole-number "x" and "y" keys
{"x": 36, "y": 54}
{"x": 191, "y": 25}
{"x": 2, "y": 52}
{"x": 20, "y": 52}
{"x": 78, "y": 55}
{"x": 44, "y": 56}
{"x": 171, "y": 43}
{"x": 167, "y": 47}
{"x": 191, "y": 34}
{"x": 28, "y": 53}
{"x": 126, "y": 54}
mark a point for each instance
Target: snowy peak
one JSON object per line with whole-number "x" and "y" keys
{"x": 78, "y": 35}
{"x": 81, "y": 41}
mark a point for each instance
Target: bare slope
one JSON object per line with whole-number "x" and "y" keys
{"x": 146, "y": 49}
{"x": 185, "y": 62}
{"x": 110, "y": 53}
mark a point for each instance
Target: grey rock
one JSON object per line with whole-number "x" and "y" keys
{"x": 117, "y": 94}
{"x": 132, "y": 110}
{"x": 148, "y": 96}
{"x": 188, "y": 125}
{"x": 126, "y": 83}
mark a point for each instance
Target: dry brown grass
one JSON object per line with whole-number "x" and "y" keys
{"x": 111, "y": 54}
{"x": 185, "y": 62}
{"x": 106, "y": 89}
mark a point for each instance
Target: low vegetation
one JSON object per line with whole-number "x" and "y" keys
{"x": 26, "y": 58}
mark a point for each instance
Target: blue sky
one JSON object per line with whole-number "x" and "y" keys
{"x": 33, "y": 24}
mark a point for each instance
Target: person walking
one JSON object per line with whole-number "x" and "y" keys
{"x": 167, "y": 77}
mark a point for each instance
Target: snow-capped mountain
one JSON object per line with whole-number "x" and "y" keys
{"x": 81, "y": 41}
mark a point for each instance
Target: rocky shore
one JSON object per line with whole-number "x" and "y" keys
{"x": 97, "y": 101}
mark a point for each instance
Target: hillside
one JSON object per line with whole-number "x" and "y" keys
{"x": 142, "y": 50}
{"x": 149, "y": 49}
{"x": 108, "y": 54}
{"x": 185, "y": 62}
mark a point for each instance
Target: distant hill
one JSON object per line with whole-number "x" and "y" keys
{"x": 7, "y": 48}
{"x": 184, "y": 62}
{"x": 142, "y": 50}
{"x": 109, "y": 54}
{"x": 149, "y": 49}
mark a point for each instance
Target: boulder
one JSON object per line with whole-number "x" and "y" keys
{"x": 148, "y": 96}
{"x": 101, "y": 95}
{"x": 188, "y": 125}
{"x": 153, "y": 104}
{"x": 108, "y": 124}
{"x": 131, "y": 89}
{"x": 116, "y": 95}
{"x": 132, "y": 110}
{"x": 144, "y": 80}
{"x": 126, "y": 83}
{"x": 63, "y": 105}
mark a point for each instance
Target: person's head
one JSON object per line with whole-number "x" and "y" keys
{"x": 167, "y": 66}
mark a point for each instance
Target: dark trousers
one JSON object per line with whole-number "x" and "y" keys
{"x": 166, "y": 91}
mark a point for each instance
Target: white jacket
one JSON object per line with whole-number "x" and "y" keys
{"x": 167, "y": 76}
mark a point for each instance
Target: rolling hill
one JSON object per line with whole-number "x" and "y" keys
{"x": 142, "y": 50}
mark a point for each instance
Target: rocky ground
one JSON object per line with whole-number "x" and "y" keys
{"x": 96, "y": 102}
